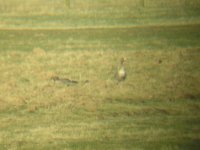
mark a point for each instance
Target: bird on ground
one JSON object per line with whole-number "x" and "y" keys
{"x": 121, "y": 72}
{"x": 67, "y": 81}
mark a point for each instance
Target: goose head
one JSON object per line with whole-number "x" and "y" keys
{"x": 122, "y": 60}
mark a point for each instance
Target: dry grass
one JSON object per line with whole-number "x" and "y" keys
{"x": 158, "y": 101}
{"x": 26, "y": 77}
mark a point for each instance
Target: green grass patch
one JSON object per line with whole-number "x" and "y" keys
{"x": 76, "y": 14}
{"x": 153, "y": 37}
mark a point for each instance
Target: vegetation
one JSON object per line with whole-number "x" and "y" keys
{"x": 157, "y": 107}
{"x": 58, "y": 14}
{"x": 141, "y": 38}
{"x": 43, "y": 46}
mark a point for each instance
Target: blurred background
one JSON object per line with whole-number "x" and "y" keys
{"x": 87, "y": 13}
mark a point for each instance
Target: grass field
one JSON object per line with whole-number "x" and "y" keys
{"x": 101, "y": 13}
{"x": 140, "y": 38}
{"x": 157, "y": 107}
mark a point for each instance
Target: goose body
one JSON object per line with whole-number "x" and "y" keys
{"x": 67, "y": 81}
{"x": 121, "y": 72}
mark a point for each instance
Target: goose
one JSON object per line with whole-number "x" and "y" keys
{"x": 121, "y": 72}
{"x": 67, "y": 81}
